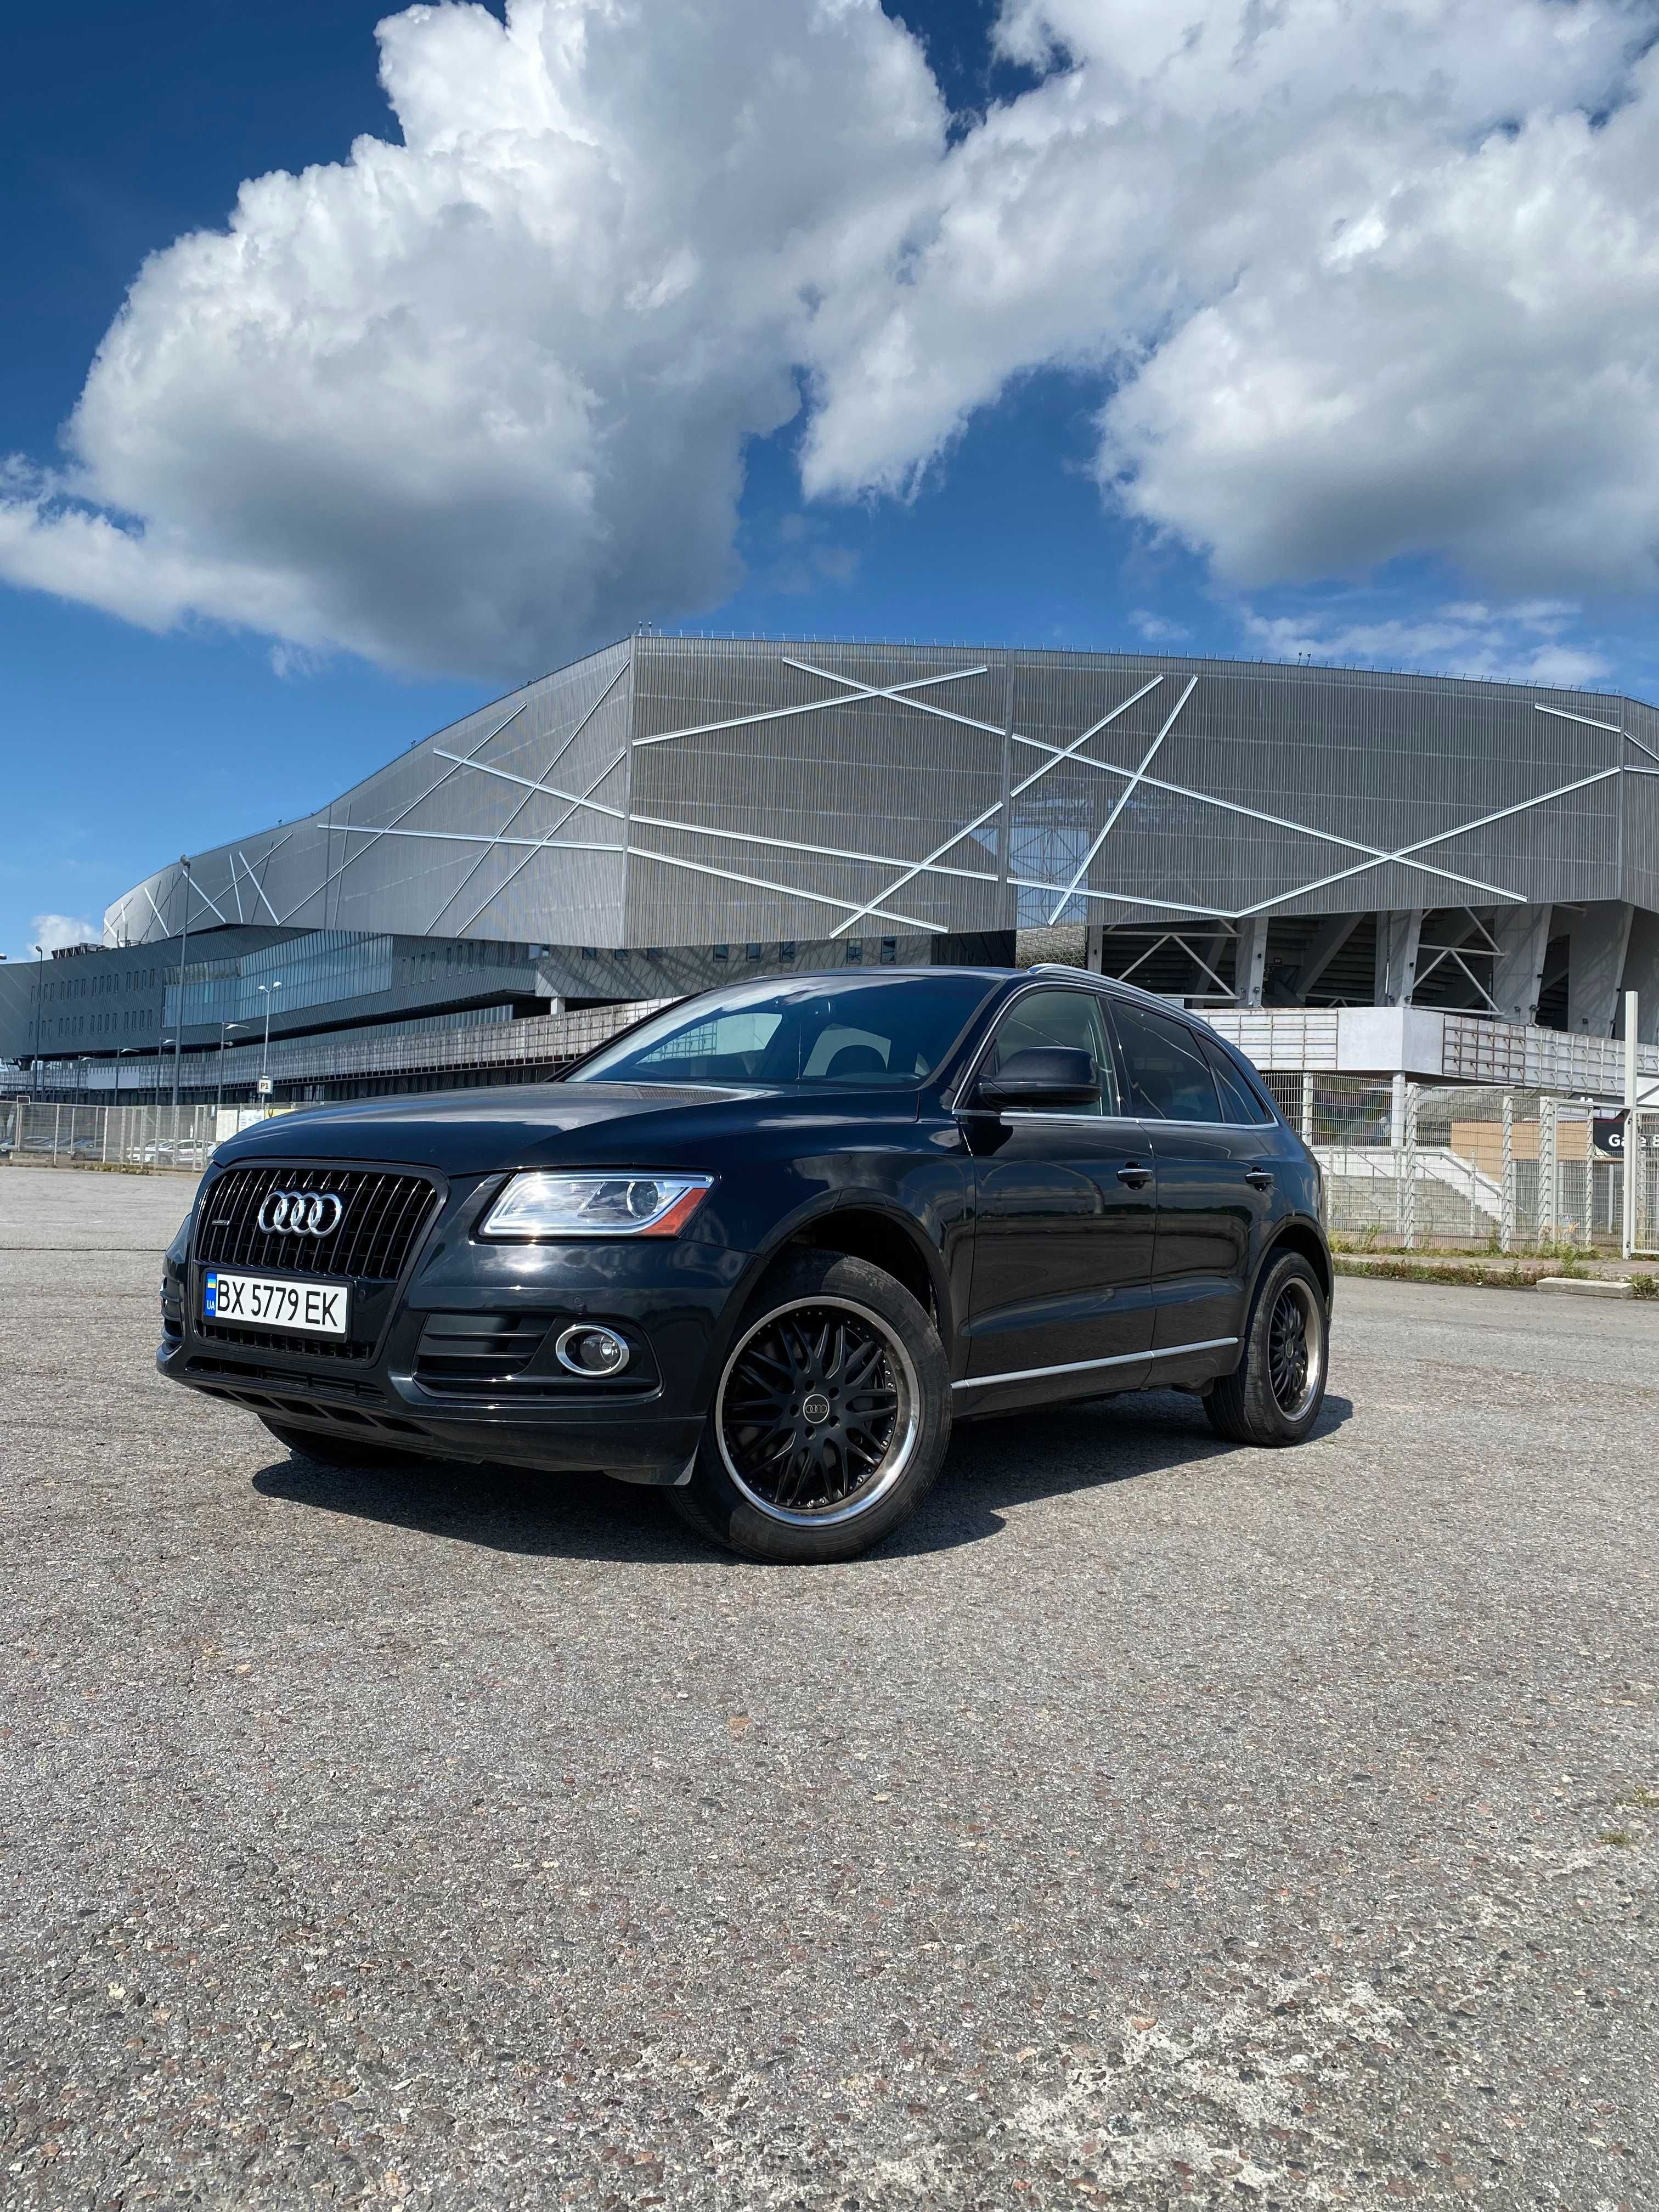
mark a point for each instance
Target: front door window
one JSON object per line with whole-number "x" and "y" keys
{"x": 1062, "y": 1017}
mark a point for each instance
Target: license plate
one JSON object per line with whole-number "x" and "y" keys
{"x": 267, "y": 1302}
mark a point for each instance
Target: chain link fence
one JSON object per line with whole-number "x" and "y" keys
{"x": 146, "y": 1138}
{"x": 1419, "y": 1165}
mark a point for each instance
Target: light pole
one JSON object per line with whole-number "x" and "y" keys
{"x": 40, "y": 1001}
{"x": 219, "y": 1088}
{"x": 265, "y": 993}
{"x": 183, "y": 947}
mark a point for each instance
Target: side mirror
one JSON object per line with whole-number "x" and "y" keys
{"x": 1049, "y": 1076}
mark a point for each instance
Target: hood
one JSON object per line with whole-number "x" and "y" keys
{"x": 526, "y": 1124}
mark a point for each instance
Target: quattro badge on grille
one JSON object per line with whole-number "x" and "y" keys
{"x": 300, "y": 1212}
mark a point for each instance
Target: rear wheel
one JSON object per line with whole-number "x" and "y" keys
{"x": 329, "y": 1451}
{"x": 830, "y": 1418}
{"x": 1275, "y": 1394}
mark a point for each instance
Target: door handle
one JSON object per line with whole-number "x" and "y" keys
{"x": 1259, "y": 1178}
{"x": 1135, "y": 1175}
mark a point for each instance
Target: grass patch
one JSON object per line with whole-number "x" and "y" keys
{"x": 1641, "y": 1801}
{"x": 1620, "y": 1837}
{"x": 1474, "y": 1275}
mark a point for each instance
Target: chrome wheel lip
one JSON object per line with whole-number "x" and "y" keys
{"x": 906, "y": 1427}
{"x": 1303, "y": 1295}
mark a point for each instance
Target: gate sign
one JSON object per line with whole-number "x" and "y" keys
{"x": 1610, "y": 1136}
{"x": 264, "y": 1086}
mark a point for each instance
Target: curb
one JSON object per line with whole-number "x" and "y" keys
{"x": 1585, "y": 1286}
{"x": 1458, "y": 1274}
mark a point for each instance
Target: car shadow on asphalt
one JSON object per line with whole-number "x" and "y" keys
{"x": 1000, "y": 1463}
{"x": 995, "y": 1467}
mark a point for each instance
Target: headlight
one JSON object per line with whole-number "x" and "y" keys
{"x": 541, "y": 1203}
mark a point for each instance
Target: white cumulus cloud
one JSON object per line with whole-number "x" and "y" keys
{"x": 1528, "y": 642}
{"x": 465, "y": 401}
{"x": 49, "y": 933}
{"x": 1360, "y": 279}
{"x": 1372, "y": 278}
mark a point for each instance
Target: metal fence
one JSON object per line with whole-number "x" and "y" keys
{"x": 1641, "y": 1171}
{"x": 1419, "y": 1165}
{"x": 385, "y": 1054}
{"x": 150, "y": 1139}
{"x": 1408, "y": 1164}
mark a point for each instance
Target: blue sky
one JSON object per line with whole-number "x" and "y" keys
{"x": 948, "y": 440}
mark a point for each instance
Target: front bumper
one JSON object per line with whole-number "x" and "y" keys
{"x": 669, "y": 1297}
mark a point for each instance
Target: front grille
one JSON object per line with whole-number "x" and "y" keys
{"x": 264, "y": 1339}
{"x": 470, "y": 1350}
{"x": 382, "y": 1215}
{"x": 246, "y": 1370}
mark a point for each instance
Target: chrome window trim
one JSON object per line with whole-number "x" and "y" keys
{"x": 1150, "y": 1123}
{"x": 1079, "y": 1366}
{"x": 1082, "y": 1121}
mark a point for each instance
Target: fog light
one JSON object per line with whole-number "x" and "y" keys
{"x": 588, "y": 1351}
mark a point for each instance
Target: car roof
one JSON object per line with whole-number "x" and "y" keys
{"x": 1057, "y": 970}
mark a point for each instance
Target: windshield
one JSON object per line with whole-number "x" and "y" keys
{"x": 822, "y": 1028}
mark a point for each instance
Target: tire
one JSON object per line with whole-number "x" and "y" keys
{"x": 775, "y": 1478}
{"x": 329, "y": 1450}
{"x": 1275, "y": 1394}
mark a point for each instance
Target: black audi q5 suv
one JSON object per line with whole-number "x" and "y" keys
{"x": 765, "y": 1248}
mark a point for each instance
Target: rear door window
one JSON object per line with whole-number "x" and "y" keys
{"x": 1168, "y": 1069}
{"x": 1239, "y": 1103}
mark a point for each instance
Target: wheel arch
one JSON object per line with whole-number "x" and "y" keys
{"x": 886, "y": 1238}
{"x": 866, "y": 1229}
{"x": 1303, "y": 1238}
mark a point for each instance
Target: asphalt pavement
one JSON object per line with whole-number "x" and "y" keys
{"x": 1152, "y": 1823}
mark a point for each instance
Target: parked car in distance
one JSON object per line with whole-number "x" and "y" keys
{"x": 767, "y": 1246}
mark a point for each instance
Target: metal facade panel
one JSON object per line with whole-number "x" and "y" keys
{"x": 452, "y": 839}
{"x": 685, "y": 791}
{"x": 826, "y": 784}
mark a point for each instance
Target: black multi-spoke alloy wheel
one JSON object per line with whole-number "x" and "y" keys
{"x": 1274, "y": 1395}
{"x": 830, "y": 1416}
{"x": 327, "y": 1450}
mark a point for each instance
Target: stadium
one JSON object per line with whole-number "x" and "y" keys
{"x": 1344, "y": 867}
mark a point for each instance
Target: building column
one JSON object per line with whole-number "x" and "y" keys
{"x": 1250, "y": 959}
{"x": 1327, "y": 941}
{"x": 1642, "y": 974}
{"x": 1398, "y": 931}
{"x": 1521, "y": 934}
{"x": 1094, "y": 947}
{"x": 1596, "y": 944}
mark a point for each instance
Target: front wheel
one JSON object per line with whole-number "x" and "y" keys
{"x": 831, "y": 1417}
{"x": 1275, "y": 1394}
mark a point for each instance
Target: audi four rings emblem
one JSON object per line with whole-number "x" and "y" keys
{"x": 300, "y": 1212}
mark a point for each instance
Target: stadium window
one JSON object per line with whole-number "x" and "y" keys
{"x": 787, "y": 949}
{"x": 722, "y": 952}
{"x": 855, "y": 955}
{"x": 752, "y": 952}
{"x": 888, "y": 951}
